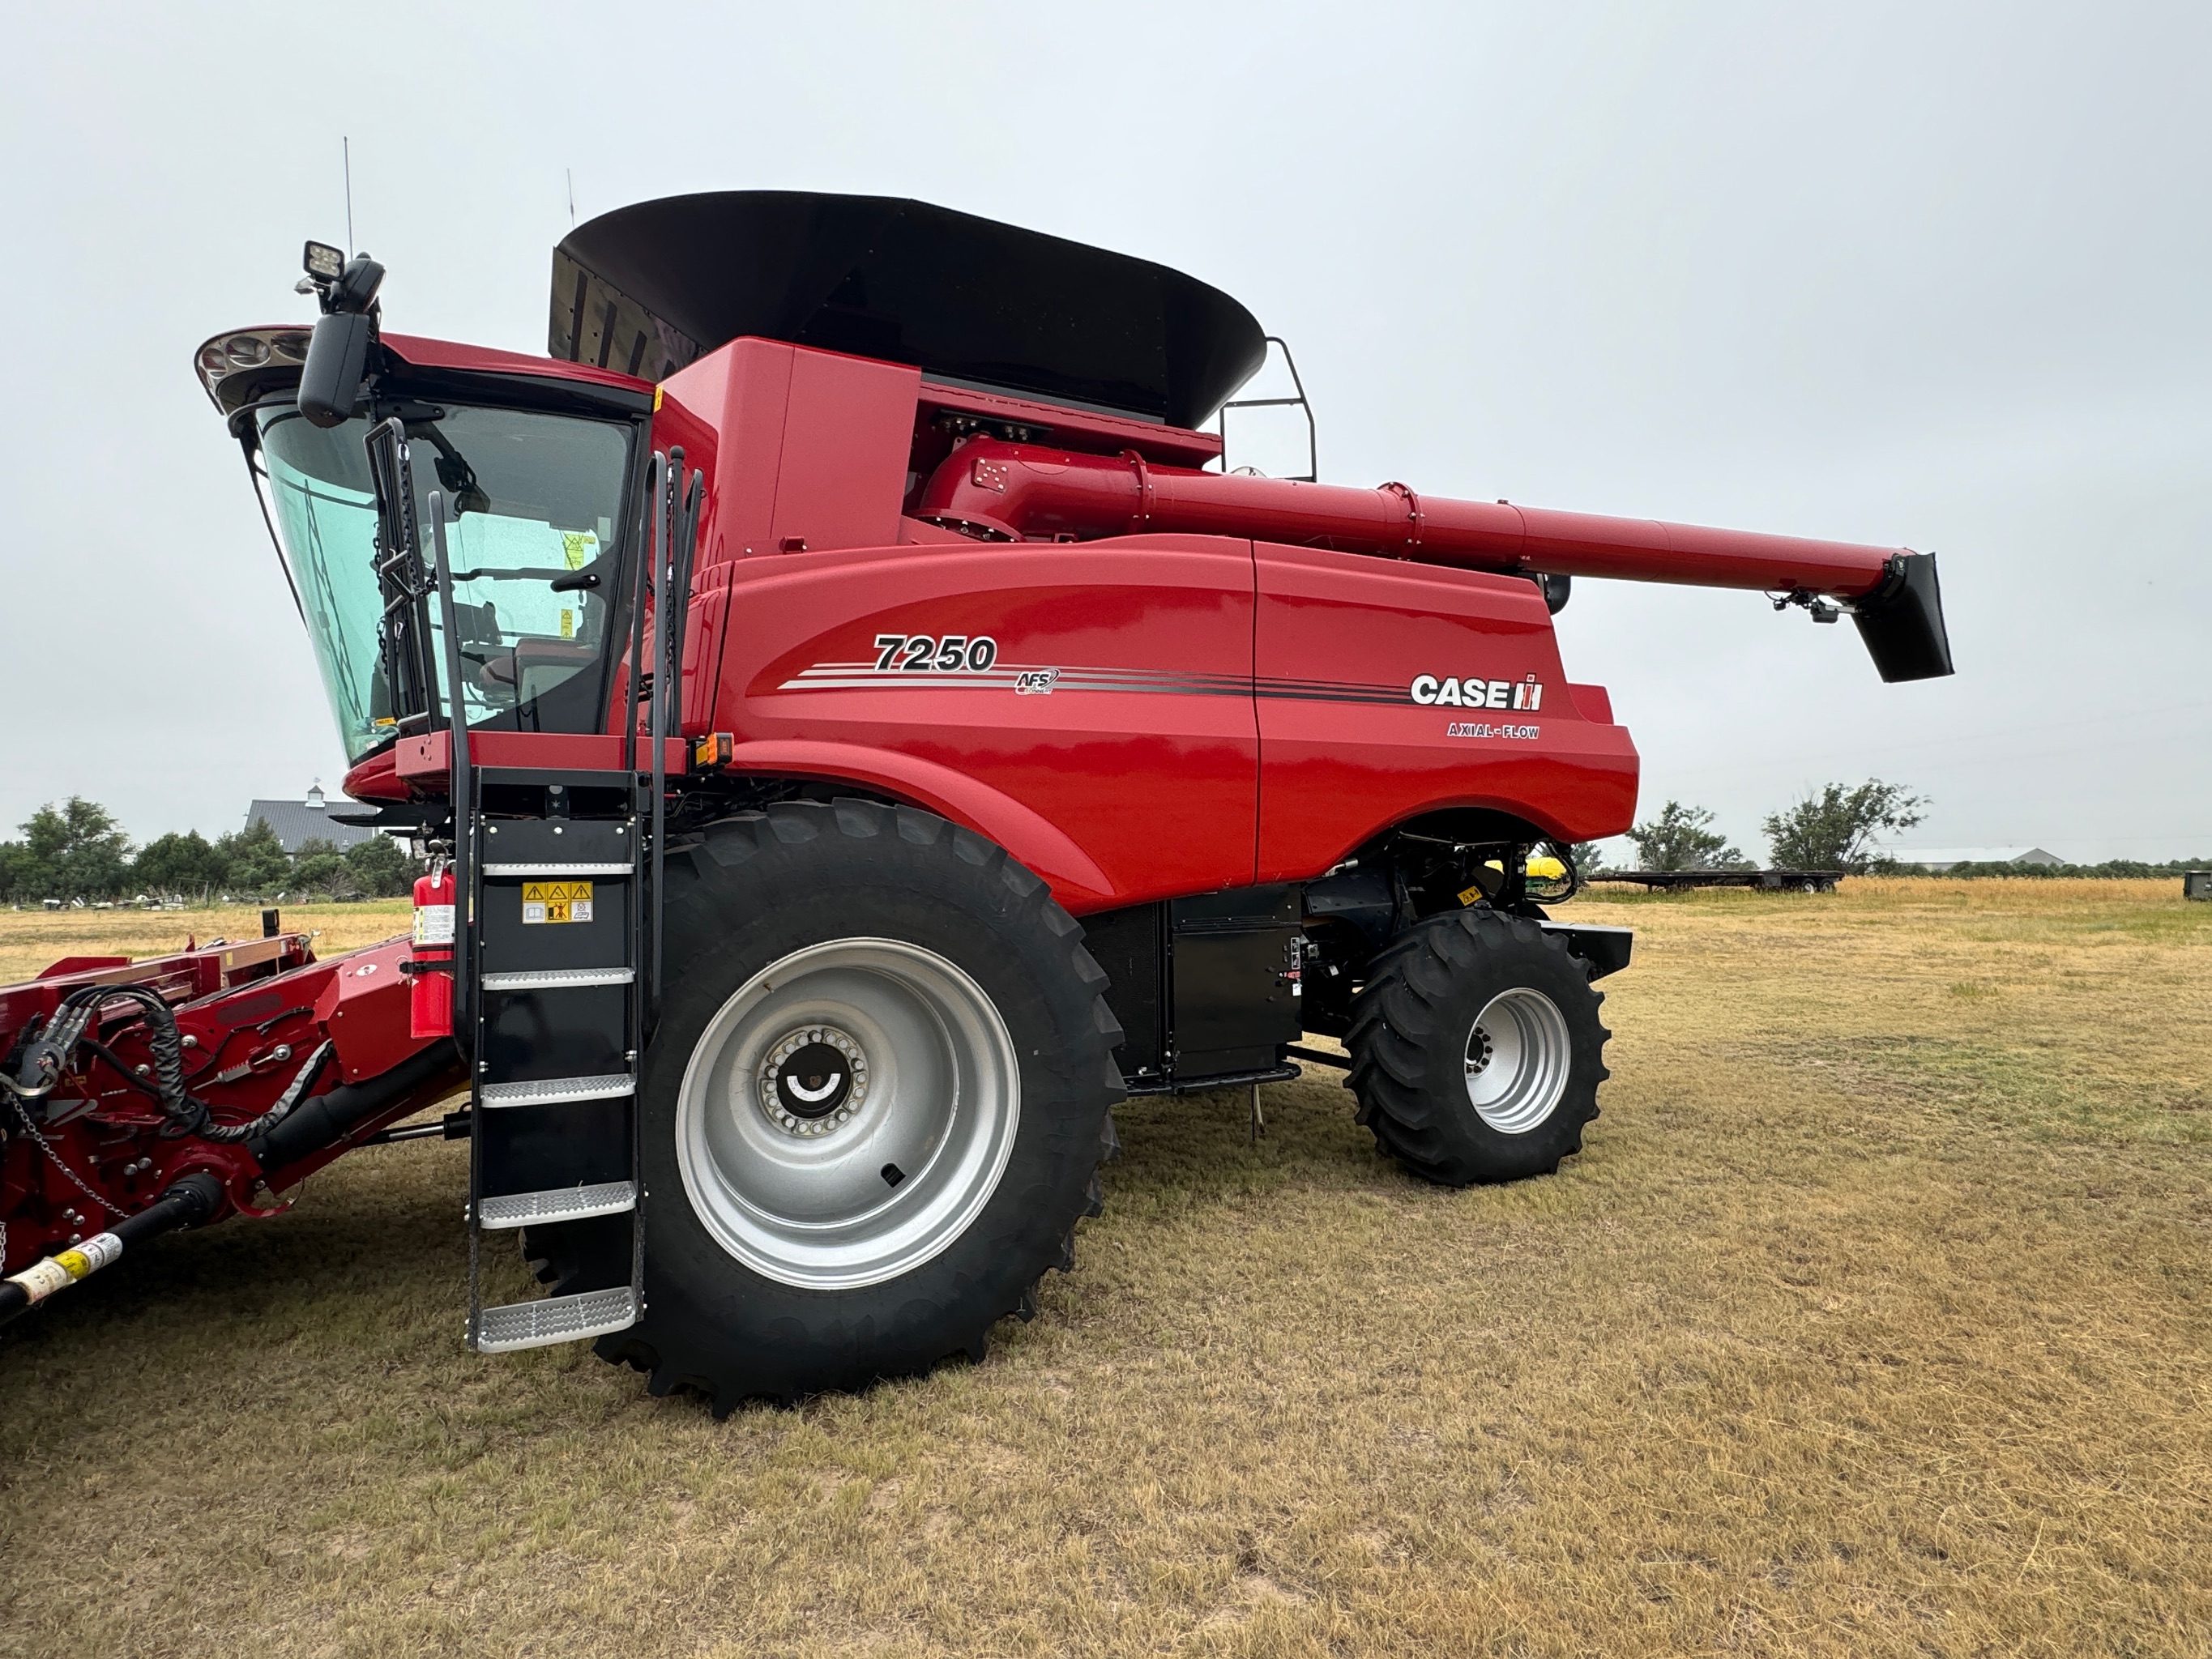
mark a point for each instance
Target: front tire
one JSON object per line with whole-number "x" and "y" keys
{"x": 1476, "y": 1049}
{"x": 872, "y": 1112}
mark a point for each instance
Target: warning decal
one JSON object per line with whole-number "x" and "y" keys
{"x": 556, "y": 900}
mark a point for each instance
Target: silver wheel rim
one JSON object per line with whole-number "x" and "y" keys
{"x": 848, "y": 1113}
{"x": 1517, "y": 1058}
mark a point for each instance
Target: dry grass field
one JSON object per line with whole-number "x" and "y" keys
{"x": 1873, "y": 1319}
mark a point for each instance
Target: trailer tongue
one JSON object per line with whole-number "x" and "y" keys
{"x": 774, "y": 674}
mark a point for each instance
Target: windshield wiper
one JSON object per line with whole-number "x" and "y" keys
{"x": 562, "y": 579}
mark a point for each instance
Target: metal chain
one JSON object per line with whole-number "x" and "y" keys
{"x": 76, "y": 1180}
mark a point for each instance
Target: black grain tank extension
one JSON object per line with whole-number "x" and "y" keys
{"x": 648, "y": 288}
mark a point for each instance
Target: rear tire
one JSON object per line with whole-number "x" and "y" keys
{"x": 1476, "y": 1049}
{"x": 948, "y": 1105}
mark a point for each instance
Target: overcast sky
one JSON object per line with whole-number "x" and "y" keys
{"x": 1920, "y": 275}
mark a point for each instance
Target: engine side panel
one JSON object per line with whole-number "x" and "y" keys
{"x": 1358, "y": 731}
{"x": 1095, "y": 715}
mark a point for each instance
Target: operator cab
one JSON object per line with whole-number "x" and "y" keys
{"x": 540, "y": 465}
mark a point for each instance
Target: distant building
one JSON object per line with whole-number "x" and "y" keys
{"x": 295, "y": 822}
{"x": 1943, "y": 858}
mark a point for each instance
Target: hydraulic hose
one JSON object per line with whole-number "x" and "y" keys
{"x": 47, "y": 1056}
{"x": 302, "y": 1079}
{"x": 191, "y": 1199}
{"x": 328, "y": 1118}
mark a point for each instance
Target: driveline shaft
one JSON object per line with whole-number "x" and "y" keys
{"x": 193, "y": 1199}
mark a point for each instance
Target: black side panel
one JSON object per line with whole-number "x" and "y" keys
{"x": 530, "y": 1036}
{"x": 538, "y": 1148}
{"x": 1236, "y": 988}
{"x": 1131, "y": 946}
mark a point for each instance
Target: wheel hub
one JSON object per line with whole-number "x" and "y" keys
{"x": 848, "y": 1113}
{"x": 1518, "y": 1057}
{"x": 812, "y": 1080}
{"x": 1479, "y": 1051}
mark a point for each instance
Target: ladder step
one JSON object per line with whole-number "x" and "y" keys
{"x": 557, "y": 1204}
{"x": 556, "y": 979}
{"x": 557, "y": 1091}
{"x": 559, "y": 869}
{"x": 557, "y": 1319}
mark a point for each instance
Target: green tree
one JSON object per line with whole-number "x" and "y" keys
{"x": 1679, "y": 838}
{"x": 380, "y": 867}
{"x": 21, "y": 875}
{"x": 76, "y": 850}
{"x": 320, "y": 867}
{"x": 253, "y": 860}
{"x": 182, "y": 865}
{"x": 1590, "y": 857}
{"x": 1834, "y": 827}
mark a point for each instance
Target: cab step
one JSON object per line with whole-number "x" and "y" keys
{"x": 557, "y": 871}
{"x": 557, "y": 1319}
{"x": 557, "y": 1204}
{"x": 556, "y": 979}
{"x": 557, "y": 1091}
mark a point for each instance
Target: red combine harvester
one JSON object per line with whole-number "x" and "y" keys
{"x": 860, "y": 736}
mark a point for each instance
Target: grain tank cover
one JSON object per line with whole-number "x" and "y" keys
{"x": 648, "y": 288}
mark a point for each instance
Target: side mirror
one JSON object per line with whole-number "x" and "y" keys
{"x": 337, "y": 354}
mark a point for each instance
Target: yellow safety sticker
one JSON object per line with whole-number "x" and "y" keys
{"x": 91, "y": 1256}
{"x": 577, "y": 546}
{"x": 556, "y": 900}
{"x": 1470, "y": 894}
{"x": 568, "y": 624}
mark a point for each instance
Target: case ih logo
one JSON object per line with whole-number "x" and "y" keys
{"x": 1449, "y": 693}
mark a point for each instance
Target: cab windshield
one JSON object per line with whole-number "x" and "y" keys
{"x": 539, "y": 497}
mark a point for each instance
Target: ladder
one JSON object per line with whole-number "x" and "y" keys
{"x": 557, "y": 902}
{"x": 557, "y": 954}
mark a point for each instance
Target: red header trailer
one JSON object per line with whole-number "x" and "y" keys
{"x": 852, "y": 600}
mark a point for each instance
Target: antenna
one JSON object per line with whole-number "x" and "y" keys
{"x": 348, "y": 142}
{"x": 571, "y": 174}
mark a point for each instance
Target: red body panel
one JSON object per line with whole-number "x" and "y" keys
{"x": 1128, "y": 770}
{"x": 1344, "y": 759}
{"x": 1131, "y": 766}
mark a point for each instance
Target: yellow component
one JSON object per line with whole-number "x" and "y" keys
{"x": 1548, "y": 869}
{"x": 656, "y": 400}
{"x": 75, "y": 1263}
{"x": 556, "y": 900}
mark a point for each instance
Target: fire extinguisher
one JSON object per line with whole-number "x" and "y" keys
{"x": 430, "y": 1002}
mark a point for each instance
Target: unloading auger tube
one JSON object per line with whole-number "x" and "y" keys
{"x": 1009, "y": 491}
